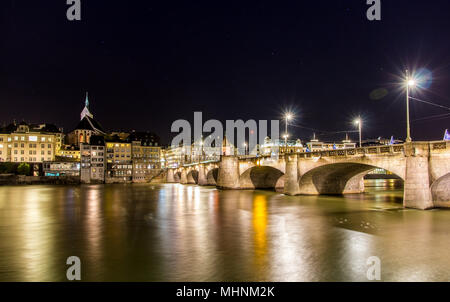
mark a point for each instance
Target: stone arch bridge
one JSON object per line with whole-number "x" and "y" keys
{"x": 423, "y": 166}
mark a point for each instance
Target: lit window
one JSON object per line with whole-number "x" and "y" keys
{"x": 32, "y": 138}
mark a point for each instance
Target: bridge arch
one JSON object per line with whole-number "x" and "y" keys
{"x": 261, "y": 177}
{"x": 177, "y": 176}
{"x": 336, "y": 178}
{"x": 192, "y": 177}
{"x": 211, "y": 176}
{"x": 440, "y": 191}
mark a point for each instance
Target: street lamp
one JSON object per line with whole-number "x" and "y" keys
{"x": 359, "y": 123}
{"x": 410, "y": 82}
{"x": 288, "y": 117}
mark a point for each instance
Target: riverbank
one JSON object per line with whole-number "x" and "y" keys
{"x": 11, "y": 179}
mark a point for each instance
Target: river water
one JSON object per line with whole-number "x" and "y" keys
{"x": 174, "y": 232}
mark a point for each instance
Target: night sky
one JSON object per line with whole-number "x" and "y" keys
{"x": 148, "y": 63}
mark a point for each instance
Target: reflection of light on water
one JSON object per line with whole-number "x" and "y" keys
{"x": 213, "y": 200}
{"x": 357, "y": 249}
{"x": 225, "y": 235}
{"x": 383, "y": 184}
{"x": 37, "y": 239}
{"x": 180, "y": 192}
{"x": 94, "y": 222}
{"x": 196, "y": 198}
{"x": 259, "y": 227}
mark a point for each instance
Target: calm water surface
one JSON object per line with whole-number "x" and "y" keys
{"x": 173, "y": 232}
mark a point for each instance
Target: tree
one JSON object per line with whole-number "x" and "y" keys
{"x": 23, "y": 169}
{"x": 7, "y": 168}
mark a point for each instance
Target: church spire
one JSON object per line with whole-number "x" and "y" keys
{"x": 86, "y": 111}
{"x": 87, "y": 100}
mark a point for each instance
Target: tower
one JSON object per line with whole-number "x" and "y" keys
{"x": 86, "y": 111}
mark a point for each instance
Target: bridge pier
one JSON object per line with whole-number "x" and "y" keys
{"x": 291, "y": 184}
{"x": 228, "y": 177}
{"x": 202, "y": 181}
{"x": 417, "y": 192}
{"x": 183, "y": 178}
{"x": 170, "y": 177}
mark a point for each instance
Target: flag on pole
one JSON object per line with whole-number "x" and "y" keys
{"x": 446, "y": 135}
{"x": 392, "y": 142}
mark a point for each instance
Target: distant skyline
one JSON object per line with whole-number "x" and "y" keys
{"x": 148, "y": 64}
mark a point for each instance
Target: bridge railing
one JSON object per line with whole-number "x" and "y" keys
{"x": 391, "y": 149}
{"x": 439, "y": 145}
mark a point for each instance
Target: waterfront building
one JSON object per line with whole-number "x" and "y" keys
{"x": 86, "y": 128}
{"x": 146, "y": 156}
{"x": 93, "y": 160}
{"x": 172, "y": 157}
{"x": 31, "y": 143}
{"x": 273, "y": 148}
{"x": 119, "y": 164}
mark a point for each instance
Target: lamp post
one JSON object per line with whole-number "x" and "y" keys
{"x": 410, "y": 82}
{"x": 359, "y": 123}
{"x": 288, "y": 117}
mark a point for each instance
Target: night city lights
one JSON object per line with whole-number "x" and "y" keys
{"x": 224, "y": 149}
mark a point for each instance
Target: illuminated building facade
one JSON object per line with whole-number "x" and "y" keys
{"x": 29, "y": 143}
{"x": 93, "y": 160}
{"x": 119, "y": 164}
{"x": 146, "y": 156}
